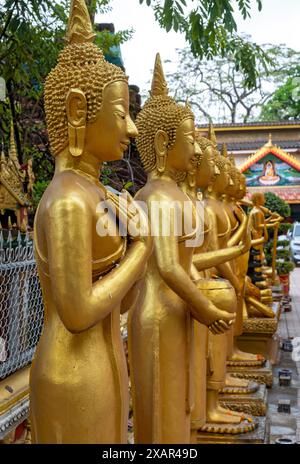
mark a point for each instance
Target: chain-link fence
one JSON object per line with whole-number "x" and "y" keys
{"x": 21, "y": 305}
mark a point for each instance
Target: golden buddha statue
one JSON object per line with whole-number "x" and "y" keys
{"x": 237, "y": 217}
{"x": 160, "y": 326}
{"x": 206, "y": 256}
{"x": 258, "y": 289}
{"x": 79, "y": 381}
{"x": 254, "y": 296}
{"x": 218, "y": 346}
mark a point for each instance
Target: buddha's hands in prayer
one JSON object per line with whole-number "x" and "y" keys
{"x": 138, "y": 227}
{"x": 245, "y": 244}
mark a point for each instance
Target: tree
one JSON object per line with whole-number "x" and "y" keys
{"x": 276, "y": 204}
{"x": 211, "y": 30}
{"x": 285, "y": 103}
{"x": 31, "y": 36}
{"x": 284, "y": 263}
{"x": 216, "y": 90}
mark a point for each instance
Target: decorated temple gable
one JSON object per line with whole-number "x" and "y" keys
{"x": 14, "y": 202}
{"x": 272, "y": 167}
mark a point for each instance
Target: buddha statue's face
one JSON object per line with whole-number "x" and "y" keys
{"x": 237, "y": 185}
{"x": 232, "y": 187}
{"x": 259, "y": 199}
{"x": 222, "y": 180}
{"x": 180, "y": 157}
{"x": 206, "y": 169}
{"x": 241, "y": 192}
{"x": 108, "y": 136}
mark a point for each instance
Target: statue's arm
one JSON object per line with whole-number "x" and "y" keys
{"x": 258, "y": 241}
{"x": 80, "y": 302}
{"x": 240, "y": 232}
{"x": 216, "y": 255}
{"x": 131, "y": 298}
{"x": 210, "y": 259}
{"x": 224, "y": 268}
{"x": 168, "y": 264}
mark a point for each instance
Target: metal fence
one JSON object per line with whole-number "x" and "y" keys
{"x": 21, "y": 304}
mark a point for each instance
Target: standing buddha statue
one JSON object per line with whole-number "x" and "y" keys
{"x": 160, "y": 326}
{"x": 255, "y": 297}
{"x": 218, "y": 346}
{"x": 78, "y": 379}
{"x": 237, "y": 216}
{"x": 206, "y": 256}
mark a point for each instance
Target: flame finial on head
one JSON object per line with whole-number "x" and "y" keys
{"x": 211, "y": 134}
{"x": 80, "y": 29}
{"x": 224, "y": 151}
{"x": 159, "y": 85}
{"x": 232, "y": 160}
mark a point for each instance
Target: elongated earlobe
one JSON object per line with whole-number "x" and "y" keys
{"x": 191, "y": 178}
{"x": 76, "y": 106}
{"x": 160, "y": 145}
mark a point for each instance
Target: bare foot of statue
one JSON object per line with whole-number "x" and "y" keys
{"x": 230, "y": 412}
{"x": 239, "y": 355}
{"x": 215, "y": 413}
{"x": 221, "y": 420}
{"x": 222, "y": 417}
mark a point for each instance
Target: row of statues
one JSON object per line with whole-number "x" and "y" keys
{"x": 185, "y": 303}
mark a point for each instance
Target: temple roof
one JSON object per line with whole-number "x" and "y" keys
{"x": 256, "y": 145}
{"x": 12, "y": 177}
{"x": 290, "y": 194}
{"x": 252, "y": 125}
{"x": 267, "y": 149}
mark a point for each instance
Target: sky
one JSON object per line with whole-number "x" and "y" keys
{"x": 277, "y": 23}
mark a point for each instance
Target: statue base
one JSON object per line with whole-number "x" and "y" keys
{"x": 229, "y": 429}
{"x": 258, "y": 436}
{"x": 249, "y": 363}
{"x": 14, "y": 401}
{"x": 253, "y": 403}
{"x": 261, "y": 375}
{"x": 234, "y": 390}
{"x": 259, "y": 335}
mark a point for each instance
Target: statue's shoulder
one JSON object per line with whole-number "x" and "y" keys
{"x": 65, "y": 196}
{"x": 160, "y": 192}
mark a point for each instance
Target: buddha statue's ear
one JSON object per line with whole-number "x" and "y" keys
{"x": 161, "y": 140}
{"x": 76, "y": 107}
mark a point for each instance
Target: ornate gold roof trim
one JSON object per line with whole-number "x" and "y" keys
{"x": 18, "y": 196}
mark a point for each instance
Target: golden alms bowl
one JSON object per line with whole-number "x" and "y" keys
{"x": 220, "y": 292}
